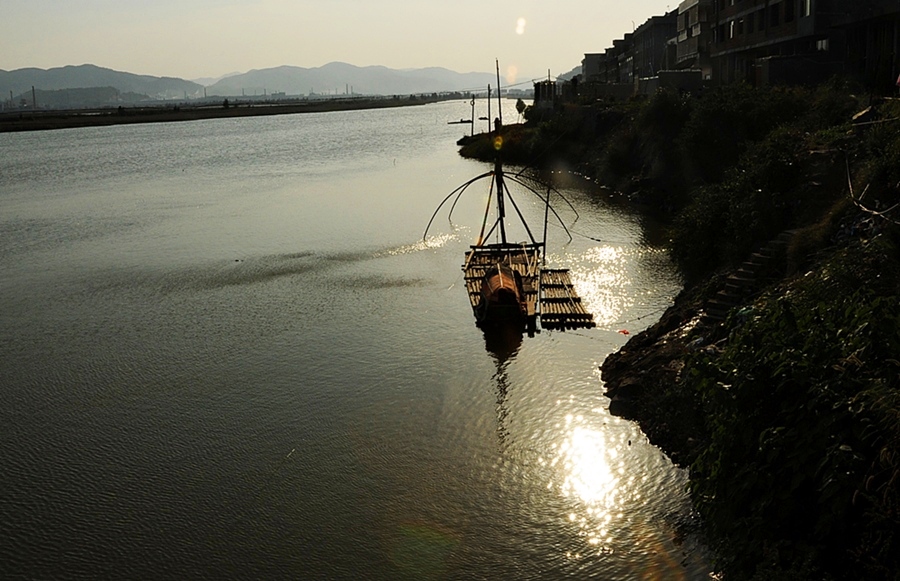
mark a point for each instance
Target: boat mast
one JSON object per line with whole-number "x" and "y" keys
{"x": 498, "y": 178}
{"x": 498, "y": 163}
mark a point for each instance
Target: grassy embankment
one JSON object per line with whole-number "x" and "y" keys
{"x": 788, "y": 412}
{"x": 66, "y": 119}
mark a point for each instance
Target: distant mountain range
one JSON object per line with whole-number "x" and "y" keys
{"x": 57, "y": 85}
{"x": 340, "y": 78}
{"x": 20, "y": 82}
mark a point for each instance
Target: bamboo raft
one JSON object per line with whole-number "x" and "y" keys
{"x": 561, "y": 307}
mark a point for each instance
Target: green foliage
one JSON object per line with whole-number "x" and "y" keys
{"x": 881, "y": 149}
{"x": 515, "y": 146}
{"x": 731, "y": 168}
{"x": 659, "y": 127}
{"x": 724, "y": 123}
{"x": 802, "y": 408}
{"x": 760, "y": 198}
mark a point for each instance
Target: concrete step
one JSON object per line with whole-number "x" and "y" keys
{"x": 743, "y": 281}
{"x": 737, "y": 290}
{"x": 756, "y": 268}
{"x": 726, "y": 298}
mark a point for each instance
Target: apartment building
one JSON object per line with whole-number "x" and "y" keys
{"x": 762, "y": 42}
{"x": 803, "y": 41}
{"x": 693, "y": 41}
{"x": 642, "y": 53}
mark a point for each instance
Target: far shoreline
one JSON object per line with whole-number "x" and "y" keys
{"x": 17, "y": 121}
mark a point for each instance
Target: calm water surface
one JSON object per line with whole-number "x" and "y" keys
{"x": 225, "y": 352}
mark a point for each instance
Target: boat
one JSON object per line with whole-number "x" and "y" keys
{"x": 507, "y": 282}
{"x": 501, "y": 280}
{"x": 502, "y": 295}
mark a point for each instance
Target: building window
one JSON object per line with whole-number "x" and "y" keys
{"x": 740, "y": 26}
{"x": 775, "y": 15}
{"x": 822, "y": 45}
{"x": 751, "y": 20}
{"x": 761, "y": 21}
{"x": 805, "y": 7}
{"x": 789, "y": 10}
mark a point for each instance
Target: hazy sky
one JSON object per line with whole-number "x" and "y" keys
{"x": 209, "y": 38}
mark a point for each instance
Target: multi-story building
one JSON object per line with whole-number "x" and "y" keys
{"x": 640, "y": 54}
{"x": 869, "y": 33}
{"x": 652, "y": 45}
{"x": 614, "y": 65}
{"x": 694, "y": 33}
{"x": 804, "y": 41}
{"x": 761, "y": 42}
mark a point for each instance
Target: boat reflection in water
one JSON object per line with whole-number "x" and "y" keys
{"x": 502, "y": 340}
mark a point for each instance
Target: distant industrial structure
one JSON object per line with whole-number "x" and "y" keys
{"x": 761, "y": 42}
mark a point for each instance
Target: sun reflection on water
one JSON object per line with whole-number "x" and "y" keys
{"x": 592, "y": 473}
{"x": 430, "y": 243}
{"x": 600, "y": 277}
{"x": 600, "y": 469}
{"x": 604, "y": 279}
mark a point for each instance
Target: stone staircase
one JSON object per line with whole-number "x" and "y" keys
{"x": 748, "y": 278}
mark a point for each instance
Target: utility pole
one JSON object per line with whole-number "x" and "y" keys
{"x": 489, "y": 108}
{"x": 499, "y": 94}
{"x": 33, "y": 99}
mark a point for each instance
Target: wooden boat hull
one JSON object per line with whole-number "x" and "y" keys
{"x": 502, "y": 296}
{"x": 502, "y": 283}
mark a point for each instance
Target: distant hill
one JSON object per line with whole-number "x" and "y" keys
{"x": 207, "y": 81}
{"x": 338, "y": 78}
{"x": 20, "y": 82}
{"x": 571, "y": 74}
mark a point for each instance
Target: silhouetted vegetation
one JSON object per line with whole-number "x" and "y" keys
{"x": 798, "y": 477}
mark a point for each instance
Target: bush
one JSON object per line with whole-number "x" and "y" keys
{"x": 803, "y": 441}
{"x": 723, "y": 123}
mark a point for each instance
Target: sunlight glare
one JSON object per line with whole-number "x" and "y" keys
{"x": 520, "y": 26}
{"x": 601, "y": 285}
{"x": 512, "y": 73}
{"x": 430, "y": 243}
{"x": 588, "y": 472}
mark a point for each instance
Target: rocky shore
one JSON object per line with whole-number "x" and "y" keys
{"x": 641, "y": 379}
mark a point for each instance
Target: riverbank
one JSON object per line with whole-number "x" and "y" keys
{"x": 65, "y": 119}
{"x": 774, "y": 376}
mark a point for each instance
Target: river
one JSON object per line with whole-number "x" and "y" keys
{"x": 226, "y": 352}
